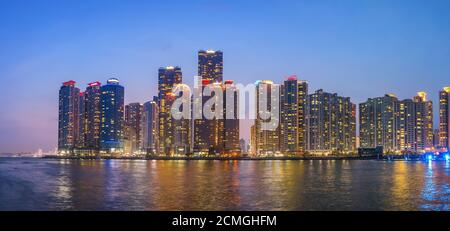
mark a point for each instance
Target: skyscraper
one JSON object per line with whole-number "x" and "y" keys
{"x": 414, "y": 126}
{"x": 68, "y": 119}
{"x": 182, "y": 137}
{"x": 423, "y": 123}
{"x": 207, "y": 132}
{"x": 404, "y": 126}
{"x": 174, "y": 135}
{"x": 378, "y": 123}
{"x": 210, "y": 65}
{"x": 112, "y": 124}
{"x": 81, "y": 142}
{"x": 150, "y": 127}
{"x": 133, "y": 134}
{"x": 293, "y": 100}
{"x": 444, "y": 118}
{"x": 331, "y": 124}
{"x": 267, "y": 139}
{"x": 93, "y": 116}
{"x": 229, "y": 130}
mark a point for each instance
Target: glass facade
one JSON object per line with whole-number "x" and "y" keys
{"x": 112, "y": 122}
{"x": 68, "y": 119}
{"x": 208, "y": 132}
{"x": 93, "y": 115}
{"x": 133, "y": 128}
{"x": 174, "y": 135}
{"x": 150, "y": 127}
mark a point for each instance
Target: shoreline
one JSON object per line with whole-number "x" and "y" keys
{"x": 214, "y": 158}
{"x": 282, "y": 158}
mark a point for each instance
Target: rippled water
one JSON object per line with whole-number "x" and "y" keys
{"x": 50, "y": 184}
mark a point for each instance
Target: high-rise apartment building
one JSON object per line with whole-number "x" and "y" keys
{"x": 112, "y": 121}
{"x": 423, "y": 123}
{"x": 92, "y": 116}
{"x": 331, "y": 123}
{"x": 82, "y": 129}
{"x": 378, "y": 123}
{"x": 267, "y": 131}
{"x": 229, "y": 125}
{"x": 210, "y": 65}
{"x": 150, "y": 127}
{"x": 68, "y": 119}
{"x": 182, "y": 137}
{"x": 174, "y": 134}
{"x": 414, "y": 125}
{"x": 208, "y": 132}
{"x": 444, "y": 118}
{"x": 404, "y": 126}
{"x": 133, "y": 132}
{"x": 293, "y": 102}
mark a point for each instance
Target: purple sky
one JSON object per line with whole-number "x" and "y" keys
{"x": 360, "y": 49}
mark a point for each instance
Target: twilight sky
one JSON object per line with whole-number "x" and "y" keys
{"x": 360, "y": 48}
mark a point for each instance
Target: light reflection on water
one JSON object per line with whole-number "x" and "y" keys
{"x": 44, "y": 184}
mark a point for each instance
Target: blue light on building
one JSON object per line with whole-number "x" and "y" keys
{"x": 112, "y": 103}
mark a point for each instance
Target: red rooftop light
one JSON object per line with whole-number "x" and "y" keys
{"x": 69, "y": 83}
{"x": 206, "y": 82}
{"x": 292, "y": 77}
{"x": 93, "y": 84}
{"x": 229, "y": 81}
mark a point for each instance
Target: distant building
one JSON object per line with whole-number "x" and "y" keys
{"x": 150, "y": 127}
{"x": 357, "y": 142}
{"x": 331, "y": 124}
{"x": 112, "y": 125}
{"x": 444, "y": 118}
{"x": 436, "y": 140}
{"x": 133, "y": 135}
{"x": 68, "y": 119}
{"x": 293, "y": 100}
{"x": 243, "y": 146}
{"x": 252, "y": 149}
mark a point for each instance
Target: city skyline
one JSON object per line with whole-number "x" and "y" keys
{"x": 406, "y": 68}
{"x": 289, "y": 122}
{"x": 131, "y": 140}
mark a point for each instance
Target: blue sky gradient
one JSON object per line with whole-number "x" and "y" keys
{"x": 359, "y": 48}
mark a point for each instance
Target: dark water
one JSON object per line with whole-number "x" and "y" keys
{"x": 43, "y": 184}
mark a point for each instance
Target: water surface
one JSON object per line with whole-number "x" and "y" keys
{"x": 51, "y": 184}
